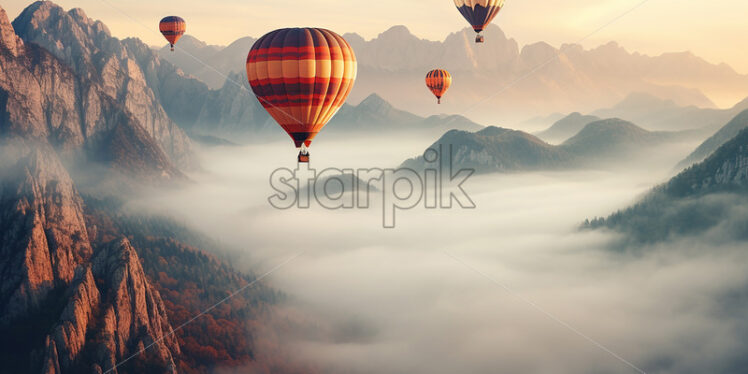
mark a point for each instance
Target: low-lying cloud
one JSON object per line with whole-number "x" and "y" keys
{"x": 447, "y": 291}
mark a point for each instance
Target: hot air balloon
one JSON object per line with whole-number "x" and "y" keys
{"x": 172, "y": 27}
{"x": 301, "y": 76}
{"x": 479, "y": 13}
{"x": 438, "y": 81}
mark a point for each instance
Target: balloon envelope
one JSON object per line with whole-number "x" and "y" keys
{"x": 479, "y": 13}
{"x": 438, "y": 81}
{"x": 301, "y": 76}
{"x": 172, "y": 28}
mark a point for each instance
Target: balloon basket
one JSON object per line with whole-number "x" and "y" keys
{"x": 303, "y": 156}
{"x": 479, "y": 38}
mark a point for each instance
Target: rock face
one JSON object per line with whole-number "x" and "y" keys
{"x": 44, "y": 236}
{"x": 90, "y": 307}
{"x": 126, "y": 72}
{"x": 134, "y": 316}
{"x": 44, "y": 99}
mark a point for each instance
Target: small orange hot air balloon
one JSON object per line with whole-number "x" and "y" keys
{"x": 438, "y": 81}
{"x": 172, "y": 27}
{"x": 301, "y": 76}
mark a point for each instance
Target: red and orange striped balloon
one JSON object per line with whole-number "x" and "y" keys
{"x": 172, "y": 28}
{"x": 301, "y": 76}
{"x": 438, "y": 81}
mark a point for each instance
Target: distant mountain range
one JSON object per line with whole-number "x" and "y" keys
{"x": 395, "y": 63}
{"x": 707, "y": 197}
{"x": 658, "y": 114}
{"x": 234, "y": 112}
{"x": 493, "y": 149}
{"x": 650, "y": 112}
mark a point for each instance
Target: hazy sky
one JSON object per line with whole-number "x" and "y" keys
{"x": 712, "y": 29}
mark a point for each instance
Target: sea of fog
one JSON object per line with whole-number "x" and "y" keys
{"x": 511, "y": 286}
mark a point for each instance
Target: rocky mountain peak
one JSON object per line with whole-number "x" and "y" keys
{"x": 126, "y": 71}
{"x": 537, "y": 53}
{"x": 396, "y": 32}
{"x": 9, "y": 41}
{"x": 375, "y": 103}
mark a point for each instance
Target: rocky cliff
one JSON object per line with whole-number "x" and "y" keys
{"x": 69, "y": 305}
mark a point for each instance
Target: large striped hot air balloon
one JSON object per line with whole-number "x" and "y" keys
{"x": 438, "y": 81}
{"x": 479, "y": 13}
{"x": 172, "y": 27}
{"x": 301, "y": 76}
